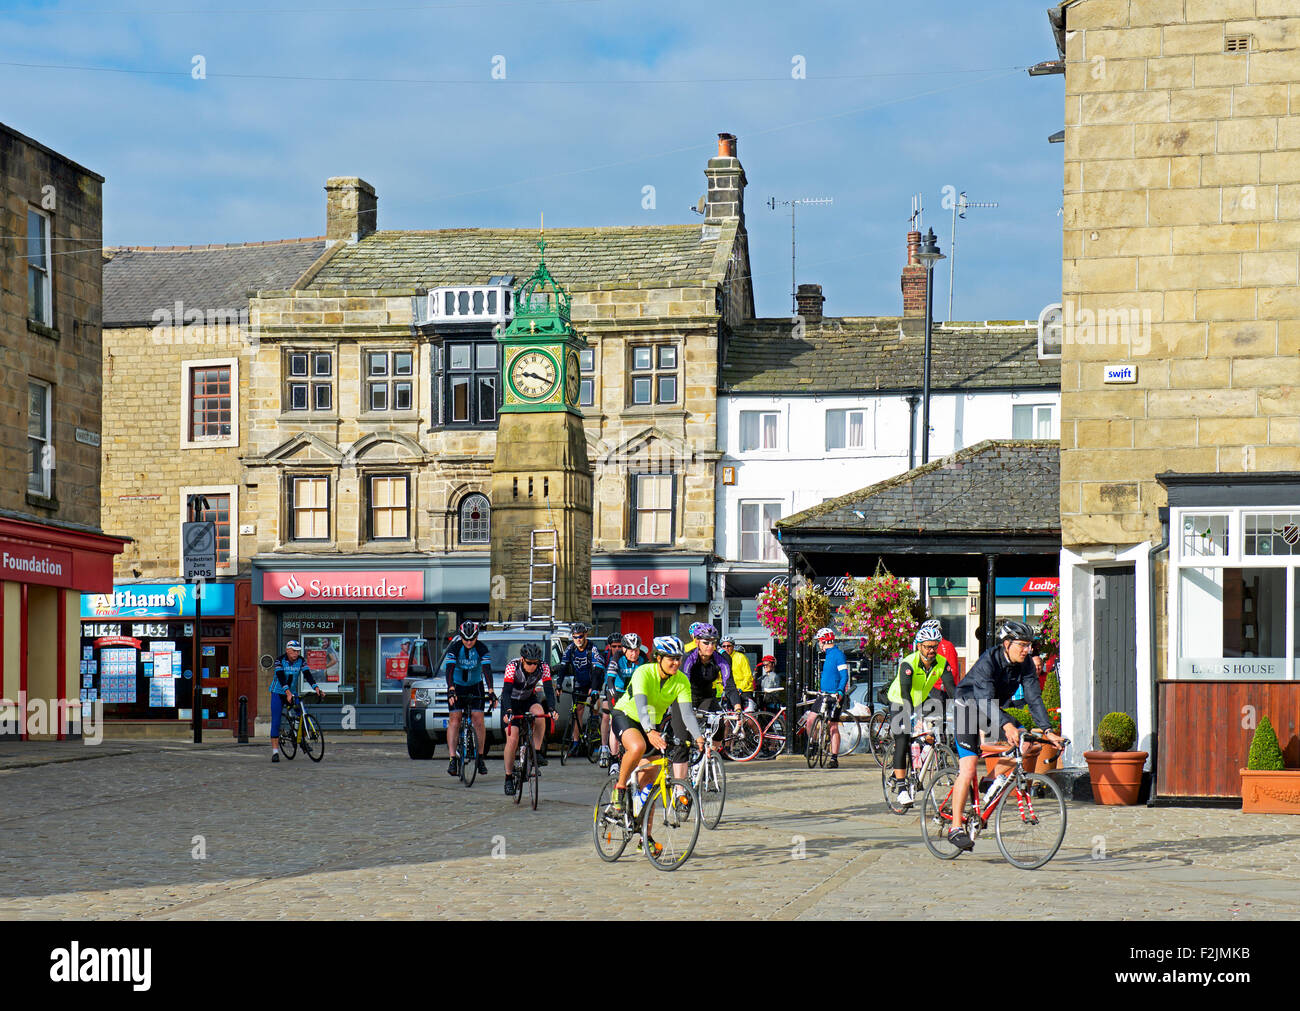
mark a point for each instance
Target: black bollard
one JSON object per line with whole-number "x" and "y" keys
{"x": 243, "y": 719}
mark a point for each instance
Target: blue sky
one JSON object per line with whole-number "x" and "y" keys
{"x": 634, "y": 95}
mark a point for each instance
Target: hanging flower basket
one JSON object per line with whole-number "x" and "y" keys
{"x": 812, "y": 610}
{"x": 879, "y": 611}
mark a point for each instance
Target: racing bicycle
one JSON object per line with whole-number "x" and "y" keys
{"x": 707, "y": 773}
{"x": 935, "y": 756}
{"x": 298, "y": 726}
{"x": 589, "y": 738}
{"x": 526, "y": 769}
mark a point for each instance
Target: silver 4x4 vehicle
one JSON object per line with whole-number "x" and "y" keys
{"x": 424, "y": 692}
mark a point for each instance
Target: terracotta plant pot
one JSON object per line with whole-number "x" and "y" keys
{"x": 991, "y": 753}
{"x": 1046, "y": 759}
{"x": 1270, "y": 792}
{"x": 1116, "y": 776}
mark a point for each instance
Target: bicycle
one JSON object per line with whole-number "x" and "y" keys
{"x": 676, "y": 824}
{"x": 526, "y": 768}
{"x": 742, "y": 736}
{"x": 881, "y": 737}
{"x": 707, "y": 773}
{"x": 467, "y": 754}
{"x": 1028, "y": 837}
{"x": 298, "y": 725}
{"x": 774, "y": 731}
{"x": 935, "y": 756}
{"x": 589, "y": 738}
{"x": 818, "y": 744}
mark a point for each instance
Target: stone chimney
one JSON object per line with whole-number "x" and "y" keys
{"x": 351, "y": 209}
{"x": 809, "y": 299}
{"x": 914, "y": 280}
{"x": 726, "y": 198}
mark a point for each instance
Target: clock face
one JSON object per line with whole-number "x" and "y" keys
{"x": 533, "y": 375}
{"x": 573, "y": 381}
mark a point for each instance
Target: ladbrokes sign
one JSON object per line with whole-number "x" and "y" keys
{"x": 391, "y": 586}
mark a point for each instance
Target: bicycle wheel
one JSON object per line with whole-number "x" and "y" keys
{"x": 674, "y": 828}
{"x": 468, "y": 751}
{"x": 1030, "y": 822}
{"x": 936, "y": 815}
{"x": 891, "y": 795}
{"x": 851, "y": 734}
{"x": 288, "y": 737}
{"x": 531, "y": 772}
{"x": 608, "y": 829}
{"x": 313, "y": 739}
{"x": 823, "y": 742}
{"x": 591, "y": 737}
{"x": 744, "y": 738}
{"x": 772, "y": 742}
{"x": 810, "y": 744}
{"x": 564, "y": 741}
{"x": 711, "y": 789}
{"x": 882, "y": 741}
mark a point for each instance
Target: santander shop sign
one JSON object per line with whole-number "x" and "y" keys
{"x": 309, "y": 587}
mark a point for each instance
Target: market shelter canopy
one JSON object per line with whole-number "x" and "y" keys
{"x": 991, "y": 509}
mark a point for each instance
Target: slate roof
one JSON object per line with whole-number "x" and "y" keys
{"x": 866, "y": 354}
{"x": 580, "y": 257}
{"x": 141, "y": 280}
{"x": 997, "y": 486}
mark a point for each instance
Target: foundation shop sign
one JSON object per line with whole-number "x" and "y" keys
{"x": 389, "y": 587}
{"x": 23, "y": 563}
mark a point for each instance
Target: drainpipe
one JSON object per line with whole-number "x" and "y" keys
{"x": 1155, "y": 687}
{"x": 912, "y": 402}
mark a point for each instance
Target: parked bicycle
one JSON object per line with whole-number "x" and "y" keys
{"x": 298, "y": 726}
{"x": 665, "y": 815}
{"x": 929, "y": 756}
{"x": 1028, "y": 812}
{"x": 774, "y": 728}
{"x": 526, "y": 767}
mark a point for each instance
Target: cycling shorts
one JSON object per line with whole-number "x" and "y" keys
{"x": 622, "y": 723}
{"x": 469, "y": 698}
{"x": 521, "y": 706}
{"x": 967, "y": 720}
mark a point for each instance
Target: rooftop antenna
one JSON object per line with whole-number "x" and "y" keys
{"x": 916, "y": 213}
{"x": 792, "y": 204}
{"x": 959, "y": 208}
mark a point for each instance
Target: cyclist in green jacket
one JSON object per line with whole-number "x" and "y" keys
{"x": 919, "y": 678}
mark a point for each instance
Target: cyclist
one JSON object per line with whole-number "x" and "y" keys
{"x": 288, "y": 668}
{"x": 658, "y": 693}
{"x": 468, "y": 667}
{"x": 741, "y": 673}
{"x": 835, "y": 682}
{"x": 523, "y": 679}
{"x": 704, "y": 667}
{"x": 922, "y": 675}
{"x": 582, "y": 662}
{"x": 624, "y": 659}
{"x": 988, "y": 686}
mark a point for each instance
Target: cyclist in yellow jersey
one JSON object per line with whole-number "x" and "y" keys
{"x": 741, "y": 673}
{"x": 657, "y": 693}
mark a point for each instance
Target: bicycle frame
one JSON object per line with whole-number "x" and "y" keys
{"x": 1014, "y": 779}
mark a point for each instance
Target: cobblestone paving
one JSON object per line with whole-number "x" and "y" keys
{"x": 369, "y": 834}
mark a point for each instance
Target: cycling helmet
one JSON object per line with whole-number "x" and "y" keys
{"x": 769, "y": 658}
{"x": 530, "y": 651}
{"x": 727, "y": 639}
{"x": 695, "y": 628}
{"x": 631, "y": 641}
{"x": 469, "y": 629}
{"x": 293, "y": 644}
{"x": 616, "y": 639}
{"x": 931, "y": 631}
{"x": 1015, "y": 630}
{"x": 825, "y": 636}
{"x": 668, "y": 645}
{"x": 578, "y": 628}
{"x": 704, "y": 632}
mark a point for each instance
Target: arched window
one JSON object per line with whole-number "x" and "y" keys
{"x": 475, "y": 519}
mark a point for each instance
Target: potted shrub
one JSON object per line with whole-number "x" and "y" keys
{"x": 1267, "y": 786}
{"x": 1116, "y": 772}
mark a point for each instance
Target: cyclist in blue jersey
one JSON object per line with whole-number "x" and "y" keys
{"x": 468, "y": 667}
{"x": 583, "y": 662}
{"x": 835, "y": 681}
{"x": 625, "y": 657}
{"x": 288, "y": 668}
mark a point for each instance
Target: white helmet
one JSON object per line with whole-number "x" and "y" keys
{"x": 825, "y": 637}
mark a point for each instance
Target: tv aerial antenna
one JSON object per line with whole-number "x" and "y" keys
{"x": 793, "y": 204}
{"x": 959, "y": 208}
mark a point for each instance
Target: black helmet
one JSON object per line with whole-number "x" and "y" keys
{"x": 469, "y": 629}
{"x": 1016, "y": 630}
{"x": 578, "y": 628}
{"x": 615, "y": 639}
{"x": 530, "y": 651}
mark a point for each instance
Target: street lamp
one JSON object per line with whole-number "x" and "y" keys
{"x": 929, "y": 255}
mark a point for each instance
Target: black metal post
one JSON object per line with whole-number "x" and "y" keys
{"x": 791, "y": 636}
{"x": 912, "y": 401}
{"x": 243, "y": 719}
{"x": 991, "y": 600}
{"x": 196, "y": 692}
{"x": 925, "y": 372}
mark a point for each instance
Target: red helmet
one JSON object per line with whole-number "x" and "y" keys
{"x": 767, "y": 659}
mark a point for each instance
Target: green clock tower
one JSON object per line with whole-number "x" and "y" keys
{"x": 541, "y": 480}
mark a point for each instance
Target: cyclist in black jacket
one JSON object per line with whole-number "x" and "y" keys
{"x": 987, "y": 687}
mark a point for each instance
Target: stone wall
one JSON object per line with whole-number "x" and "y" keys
{"x": 1181, "y": 236}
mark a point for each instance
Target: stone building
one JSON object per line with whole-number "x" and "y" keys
{"x": 176, "y": 362}
{"x": 1180, "y": 502}
{"x": 371, "y": 421}
{"x": 51, "y": 544}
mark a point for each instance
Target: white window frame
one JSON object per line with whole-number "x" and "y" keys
{"x": 1234, "y": 558}
{"x": 48, "y": 266}
{"x": 47, "y": 487}
{"x": 740, "y": 431}
{"x": 740, "y": 528}
{"x": 1055, "y": 426}
{"x": 219, "y": 442}
{"x": 846, "y": 411}
{"x": 232, "y": 568}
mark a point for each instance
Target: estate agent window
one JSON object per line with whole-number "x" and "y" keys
{"x": 757, "y": 430}
{"x": 1234, "y": 595}
{"x": 652, "y": 497}
{"x": 40, "y": 269}
{"x": 309, "y": 508}
{"x": 756, "y": 541}
{"x": 846, "y": 429}
{"x": 310, "y": 380}
{"x": 389, "y": 507}
{"x": 465, "y": 380}
{"x": 40, "y": 438}
{"x": 654, "y": 374}
{"x": 388, "y": 380}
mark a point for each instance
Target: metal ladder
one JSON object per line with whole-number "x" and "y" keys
{"x": 542, "y": 549}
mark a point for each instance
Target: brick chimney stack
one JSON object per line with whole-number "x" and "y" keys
{"x": 726, "y": 196}
{"x": 914, "y": 280}
{"x": 809, "y": 299}
{"x": 351, "y": 209}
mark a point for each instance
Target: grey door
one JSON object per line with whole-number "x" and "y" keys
{"x": 1114, "y": 643}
